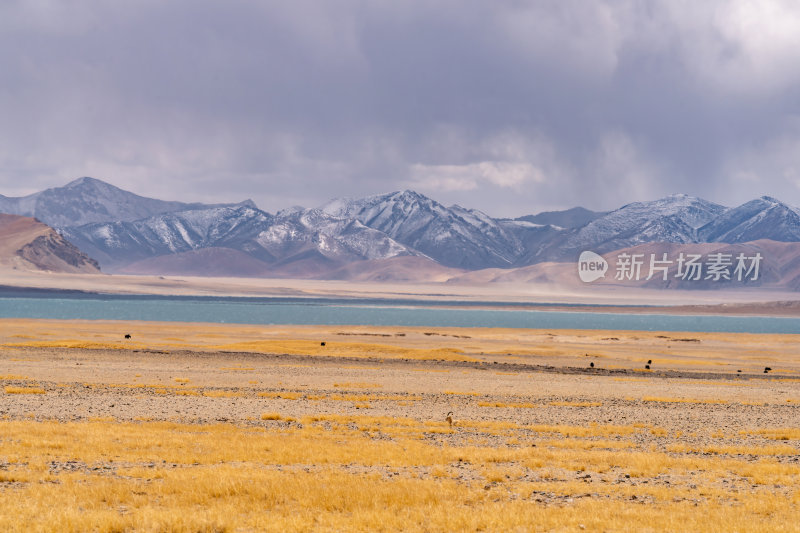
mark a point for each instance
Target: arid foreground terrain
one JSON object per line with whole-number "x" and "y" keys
{"x": 194, "y": 427}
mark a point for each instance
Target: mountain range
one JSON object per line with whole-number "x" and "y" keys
{"x": 400, "y": 234}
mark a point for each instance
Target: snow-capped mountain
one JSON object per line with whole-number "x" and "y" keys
{"x": 763, "y": 218}
{"x": 272, "y": 239}
{"x": 88, "y": 200}
{"x": 120, "y": 243}
{"x": 453, "y": 236}
{"x": 298, "y": 230}
{"x": 407, "y": 230}
{"x": 673, "y": 219}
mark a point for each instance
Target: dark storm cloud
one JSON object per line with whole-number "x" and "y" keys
{"x": 511, "y": 107}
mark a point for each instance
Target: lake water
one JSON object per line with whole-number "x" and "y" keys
{"x": 360, "y": 312}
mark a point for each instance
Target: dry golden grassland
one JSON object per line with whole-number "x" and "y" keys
{"x": 696, "y": 352}
{"x": 250, "y": 428}
{"x": 368, "y": 473}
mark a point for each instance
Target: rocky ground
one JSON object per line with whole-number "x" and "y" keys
{"x": 203, "y": 386}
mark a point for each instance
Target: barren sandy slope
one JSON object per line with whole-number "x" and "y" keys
{"x": 755, "y": 301}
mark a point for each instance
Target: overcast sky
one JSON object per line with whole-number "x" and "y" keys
{"x": 511, "y": 107}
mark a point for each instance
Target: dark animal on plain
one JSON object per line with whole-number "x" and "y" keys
{"x": 322, "y": 343}
{"x": 591, "y": 365}
{"x": 647, "y": 367}
{"x": 127, "y": 335}
{"x": 767, "y": 369}
{"x": 649, "y": 361}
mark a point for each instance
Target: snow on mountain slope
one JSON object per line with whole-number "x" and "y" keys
{"x": 454, "y": 236}
{"x": 675, "y": 219}
{"x": 298, "y": 230}
{"x": 763, "y": 218}
{"x": 120, "y": 243}
{"x": 534, "y": 238}
{"x": 265, "y": 237}
{"x": 88, "y": 200}
{"x": 119, "y": 228}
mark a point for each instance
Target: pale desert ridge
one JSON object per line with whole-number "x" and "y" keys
{"x": 748, "y": 302}
{"x": 207, "y": 427}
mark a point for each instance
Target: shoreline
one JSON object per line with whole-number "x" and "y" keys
{"x": 776, "y": 308}
{"x": 516, "y": 296}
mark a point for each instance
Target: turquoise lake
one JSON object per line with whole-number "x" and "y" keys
{"x": 362, "y": 312}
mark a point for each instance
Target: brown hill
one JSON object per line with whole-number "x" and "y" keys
{"x": 206, "y": 262}
{"x": 27, "y": 244}
{"x": 401, "y": 268}
{"x": 227, "y": 262}
{"x": 779, "y": 268}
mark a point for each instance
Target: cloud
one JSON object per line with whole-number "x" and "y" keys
{"x": 507, "y": 106}
{"x": 470, "y": 177}
{"x": 757, "y": 47}
{"x": 585, "y": 36}
{"x": 622, "y": 167}
{"x": 771, "y": 166}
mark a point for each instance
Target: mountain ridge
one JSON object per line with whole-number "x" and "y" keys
{"x": 86, "y": 200}
{"x": 322, "y": 241}
{"x": 28, "y": 244}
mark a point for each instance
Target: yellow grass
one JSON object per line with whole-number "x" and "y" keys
{"x": 357, "y": 385}
{"x": 344, "y": 349}
{"x": 735, "y": 450}
{"x": 24, "y": 390}
{"x": 775, "y": 433}
{"x": 77, "y": 344}
{"x": 668, "y": 352}
{"x": 500, "y": 470}
{"x": 325, "y": 475}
